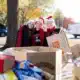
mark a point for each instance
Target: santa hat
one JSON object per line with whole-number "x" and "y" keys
{"x": 49, "y": 17}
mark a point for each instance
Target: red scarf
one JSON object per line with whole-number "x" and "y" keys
{"x": 19, "y": 37}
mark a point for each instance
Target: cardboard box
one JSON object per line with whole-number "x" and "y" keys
{"x": 47, "y": 58}
{"x": 60, "y": 41}
{"x": 75, "y": 51}
{"x": 76, "y": 73}
{"x": 6, "y": 62}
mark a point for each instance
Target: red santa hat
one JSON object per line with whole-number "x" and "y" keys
{"x": 49, "y": 17}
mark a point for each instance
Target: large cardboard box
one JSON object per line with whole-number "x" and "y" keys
{"x": 76, "y": 73}
{"x": 47, "y": 58}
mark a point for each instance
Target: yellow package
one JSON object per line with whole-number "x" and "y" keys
{"x": 10, "y": 75}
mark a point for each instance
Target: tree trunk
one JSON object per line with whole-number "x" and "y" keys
{"x": 12, "y": 6}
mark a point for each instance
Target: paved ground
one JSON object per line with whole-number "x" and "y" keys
{"x": 2, "y": 41}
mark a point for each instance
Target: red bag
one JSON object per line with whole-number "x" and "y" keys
{"x": 6, "y": 62}
{"x": 19, "y": 37}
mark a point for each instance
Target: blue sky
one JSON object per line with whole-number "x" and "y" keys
{"x": 70, "y": 8}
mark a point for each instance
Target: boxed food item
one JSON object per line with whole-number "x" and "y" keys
{"x": 27, "y": 67}
{"x": 10, "y": 75}
{"x": 26, "y": 75}
{"x": 6, "y": 62}
{"x": 48, "y": 59}
{"x": 1, "y": 77}
{"x": 25, "y": 70}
